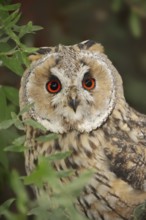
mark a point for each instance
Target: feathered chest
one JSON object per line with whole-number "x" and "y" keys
{"x": 86, "y": 149}
{"x": 106, "y": 194}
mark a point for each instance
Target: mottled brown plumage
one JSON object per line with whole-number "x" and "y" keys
{"x": 93, "y": 120}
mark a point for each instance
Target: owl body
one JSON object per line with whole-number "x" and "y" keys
{"x": 77, "y": 93}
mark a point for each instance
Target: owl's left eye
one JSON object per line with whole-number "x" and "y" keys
{"x": 88, "y": 83}
{"x": 53, "y": 86}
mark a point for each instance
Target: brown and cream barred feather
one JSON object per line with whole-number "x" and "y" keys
{"x": 116, "y": 150}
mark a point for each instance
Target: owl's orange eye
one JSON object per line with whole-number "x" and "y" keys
{"x": 53, "y": 86}
{"x": 88, "y": 83}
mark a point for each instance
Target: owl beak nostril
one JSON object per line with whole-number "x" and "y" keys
{"x": 73, "y": 103}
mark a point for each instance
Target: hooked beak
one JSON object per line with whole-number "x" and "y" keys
{"x": 73, "y": 103}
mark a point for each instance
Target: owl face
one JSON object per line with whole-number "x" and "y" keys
{"x": 71, "y": 88}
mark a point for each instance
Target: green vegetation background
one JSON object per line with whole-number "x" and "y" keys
{"x": 120, "y": 25}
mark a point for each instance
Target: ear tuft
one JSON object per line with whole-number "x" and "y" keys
{"x": 91, "y": 45}
{"x": 44, "y": 50}
{"x": 39, "y": 53}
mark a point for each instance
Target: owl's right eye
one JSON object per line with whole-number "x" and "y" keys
{"x": 53, "y": 86}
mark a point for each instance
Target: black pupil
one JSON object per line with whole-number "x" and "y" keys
{"x": 54, "y": 85}
{"x": 88, "y": 82}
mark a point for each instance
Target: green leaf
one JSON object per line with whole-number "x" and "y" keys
{"x": 13, "y": 36}
{"x": 28, "y": 49}
{"x": 49, "y": 137}
{"x": 19, "y": 141}
{"x": 64, "y": 173}
{"x": 11, "y": 20}
{"x": 135, "y": 24}
{"x": 9, "y": 7}
{"x": 36, "y": 28}
{"x": 3, "y": 102}
{"x": 12, "y": 94}
{"x": 28, "y": 28}
{"x": 15, "y": 148}
{"x": 40, "y": 213}
{"x": 21, "y": 194}
{"x": 18, "y": 123}
{"x": 6, "y": 205}
{"x": 40, "y": 174}
{"x": 140, "y": 212}
{"x": 34, "y": 124}
{"x": 6, "y": 124}
{"x": 24, "y": 58}
{"x": 14, "y": 115}
{"x": 13, "y": 63}
{"x": 26, "y": 109}
{"x": 4, "y": 163}
{"x": 4, "y": 47}
{"x": 75, "y": 187}
{"x": 59, "y": 156}
{"x": 10, "y": 108}
{"x": 7, "y": 136}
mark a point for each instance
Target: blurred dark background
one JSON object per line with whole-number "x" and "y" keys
{"x": 120, "y": 25}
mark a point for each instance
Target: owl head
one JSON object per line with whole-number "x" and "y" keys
{"x": 71, "y": 87}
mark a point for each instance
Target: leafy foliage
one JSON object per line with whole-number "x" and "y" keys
{"x": 140, "y": 212}
{"x": 60, "y": 204}
{"x": 12, "y": 49}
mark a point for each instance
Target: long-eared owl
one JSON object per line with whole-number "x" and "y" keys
{"x": 76, "y": 92}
